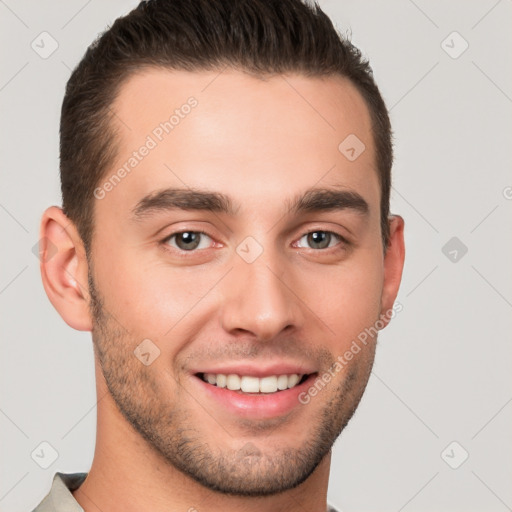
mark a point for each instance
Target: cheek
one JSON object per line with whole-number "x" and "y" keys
{"x": 147, "y": 297}
{"x": 349, "y": 301}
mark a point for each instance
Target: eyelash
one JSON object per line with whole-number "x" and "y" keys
{"x": 182, "y": 253}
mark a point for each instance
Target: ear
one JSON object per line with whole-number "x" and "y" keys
{"x": 393, "y": 266}
{"x": 63, "y": 266}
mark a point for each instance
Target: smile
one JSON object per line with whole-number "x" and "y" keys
{"x": 251, "y": 384}
{"x": 254, "y": 393}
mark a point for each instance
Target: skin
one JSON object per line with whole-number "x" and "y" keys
{"x": 260, "y": 143}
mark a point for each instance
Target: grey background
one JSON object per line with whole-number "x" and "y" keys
{"x": 442, "y": 371}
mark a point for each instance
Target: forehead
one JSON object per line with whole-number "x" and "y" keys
{"x": 226, "y": 130}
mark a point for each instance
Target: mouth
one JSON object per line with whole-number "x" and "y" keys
{"x": 269, "y": 394}
{"x": 249, "y": 384}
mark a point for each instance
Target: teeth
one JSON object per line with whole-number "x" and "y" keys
{"x": 292, "y": 380}
{"x": 282, "y": 382}
{"x": 232, "y": 381}
{"x": 268, "y": 384}
{"x": 249, "y": 384}
{"x": 221, "y": 380}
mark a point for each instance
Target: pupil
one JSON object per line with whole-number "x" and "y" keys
{"x": 190, "y": 240}
{"x": 320, "y": 238}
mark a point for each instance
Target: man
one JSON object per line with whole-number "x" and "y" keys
{"x": 225, "y": 235}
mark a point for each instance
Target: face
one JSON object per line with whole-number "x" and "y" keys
{"x": 239, "y": 256}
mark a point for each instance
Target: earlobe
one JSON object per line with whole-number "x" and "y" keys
{"x": 393, "y": 265}
{"x": 63, "y": 266}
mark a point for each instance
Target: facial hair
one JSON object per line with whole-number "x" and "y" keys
{"x": 161, "y": 418}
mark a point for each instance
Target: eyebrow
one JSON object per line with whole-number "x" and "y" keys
{"x": 312, "y": 200}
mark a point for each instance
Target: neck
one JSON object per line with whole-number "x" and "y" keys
{"x": 127, "y": 475}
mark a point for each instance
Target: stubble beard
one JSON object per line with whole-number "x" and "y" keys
{"x": 166, "y": 426}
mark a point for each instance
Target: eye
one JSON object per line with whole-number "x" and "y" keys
{"x": 322, "y": 239}
{"x": 188, "y": 240}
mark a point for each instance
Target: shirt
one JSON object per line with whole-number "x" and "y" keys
{"x": 60, "y": 499}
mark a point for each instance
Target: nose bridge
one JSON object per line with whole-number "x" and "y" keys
{"x": 257, "y": 299}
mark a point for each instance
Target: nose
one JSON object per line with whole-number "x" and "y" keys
{"x": 258, "y": 300}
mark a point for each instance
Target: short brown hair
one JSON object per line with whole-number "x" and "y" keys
{"x": 257, "y": 36}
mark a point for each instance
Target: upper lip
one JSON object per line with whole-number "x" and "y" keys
{"x": 257, "y": 370}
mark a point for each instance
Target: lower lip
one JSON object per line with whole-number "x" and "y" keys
{"x": 256, "y": 405}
